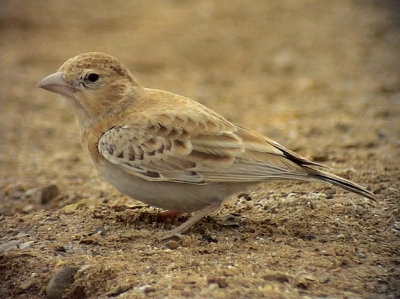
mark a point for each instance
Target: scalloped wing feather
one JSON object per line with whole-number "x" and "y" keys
{"x": 201, "y": 159}
{"x": 189, "y": 143}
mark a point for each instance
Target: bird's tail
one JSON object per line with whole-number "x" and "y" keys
{"x": 341, "y": 182}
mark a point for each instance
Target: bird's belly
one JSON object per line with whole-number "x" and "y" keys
{"x": 167, "y": 195}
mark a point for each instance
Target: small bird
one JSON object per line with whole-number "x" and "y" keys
{"x": 167, "y": 150}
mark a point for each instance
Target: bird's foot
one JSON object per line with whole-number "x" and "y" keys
{"x": 177, "y": 231}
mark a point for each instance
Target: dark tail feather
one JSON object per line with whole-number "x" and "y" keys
{"x": 341, "y": 182}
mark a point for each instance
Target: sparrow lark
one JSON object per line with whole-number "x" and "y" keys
{"x": 167, "y": 150}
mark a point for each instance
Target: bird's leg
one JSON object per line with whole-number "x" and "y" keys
{"x": 192, "y": 220}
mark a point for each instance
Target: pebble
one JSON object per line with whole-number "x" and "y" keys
{"x": 172, "y": 244}
{"x": 277, "y": 276}
{"x": 146, "y": 289}
{"x": 220, "y": 282}
{"x": 303, "y": 282}
{"x": 213, "y": 286}
{"x": 60, "y": 281}
{"x": 246, "y": 196}
{"x": 28, "y": 208}
{"x": 360, "y": 211}
{"x": 101, "y": 231}
{"x": 26, "y": 284}
{"x": 13, "y": 244}
{"x": 48, "y": 193}
{"x": 309, "y": 237}
{"x": 230, "y": 221}
{"x": 361, "y": 255}
{"x": 26, "y": 245}
{"x": 330, "y": 196}
{"x": 325, "y": 278}
{"x": 396, "y": 225}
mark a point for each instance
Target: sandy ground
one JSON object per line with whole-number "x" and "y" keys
{"x": 320, "y": 77}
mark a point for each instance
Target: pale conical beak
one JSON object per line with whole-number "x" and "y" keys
{"x": 56, "y": 83}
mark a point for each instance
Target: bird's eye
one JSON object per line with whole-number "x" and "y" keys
{"x": 93, "y": 77}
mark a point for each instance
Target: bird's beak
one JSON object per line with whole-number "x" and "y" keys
{"x": 56, "y": 83}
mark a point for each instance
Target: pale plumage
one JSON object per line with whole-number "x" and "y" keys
{"x": 167, "y": 150}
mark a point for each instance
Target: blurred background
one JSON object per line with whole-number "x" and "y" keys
{"x": 320, "y": 77}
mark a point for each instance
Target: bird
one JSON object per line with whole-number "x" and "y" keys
{"x": 167, "y": 150}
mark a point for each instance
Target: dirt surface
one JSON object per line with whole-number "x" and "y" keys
{"x": 320, "y": 77}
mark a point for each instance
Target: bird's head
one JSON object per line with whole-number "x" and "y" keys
{"x": 95, "y": 84}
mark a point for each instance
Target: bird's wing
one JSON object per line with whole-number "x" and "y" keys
{"x": 197, "y": 148}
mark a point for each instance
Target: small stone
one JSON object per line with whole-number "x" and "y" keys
{"x": 13, "y": 244}
{"x": 26, "y": 284}
{"x": 28, "y": 208}
{"x": 361, "y": 255}
{"x": 60, "y": 281}
{"x": 277, "y": 276}
{"x": 309, "y": 237}
{"x": 337, "y": 206}
{"x": 149, "y": 290}
{"x": 230, "y": 221}
{"x": 210, "y": 238}
{"x": 221, "y": 282}
{"x": 360, "y": 211}
{"x": 396, "y": 225}
{"x": 329, "y": 196}
{"x": 146, "y": 289}
{"x": 172, "y": 244}
{"x": 100, "y": 231}
{"x": 325, "y": 278}
{"x": 48, "y": 193}
{"x": 303, "y": 283}
{"x": 245, "y": 196}
{"x": 30, "y": 192}
{"x": 26, "y": 245}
